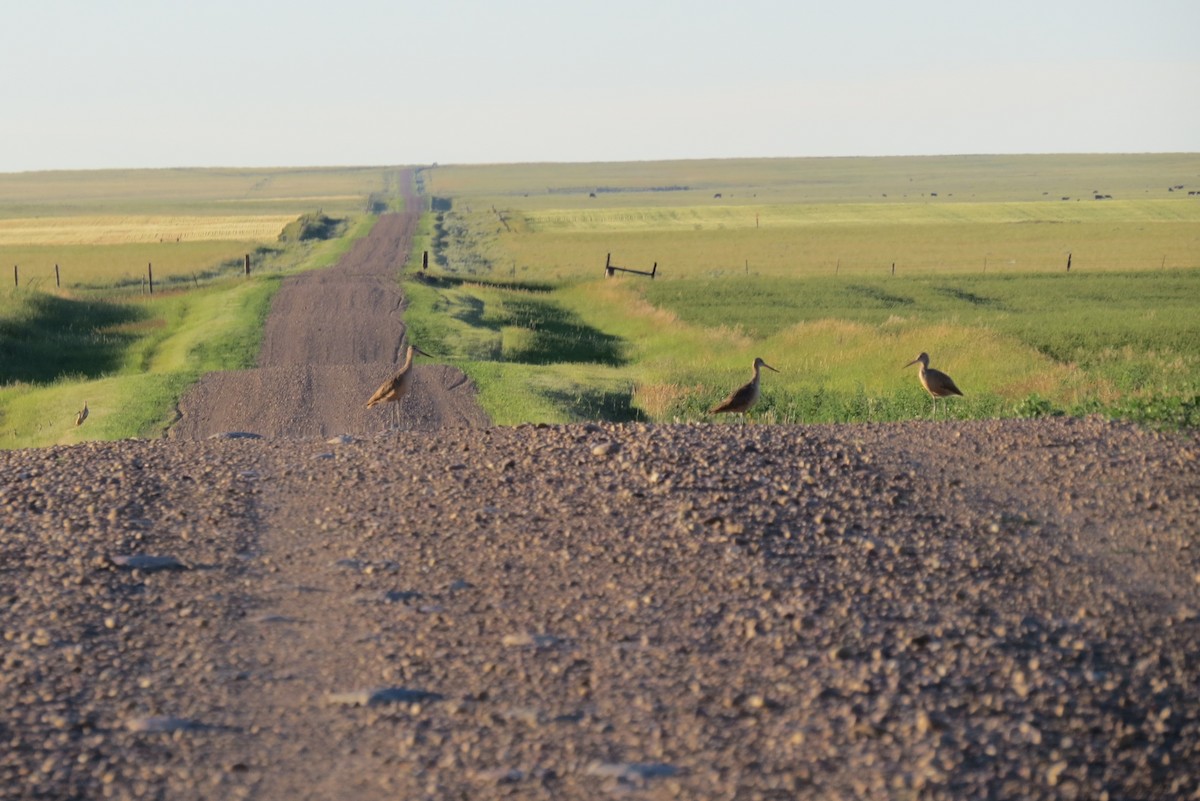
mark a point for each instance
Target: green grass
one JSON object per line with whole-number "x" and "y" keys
{"x": 792, "y": 263}
{"x": 826, "y": 239}
{"x": 792, "y": 259}
{"x": 105, "y": 267}
{"x": 132, "y": 357}
{"x": 841, "y": 349}
{"x": 1082, "y": 319}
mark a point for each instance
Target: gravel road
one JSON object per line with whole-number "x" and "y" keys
{"x": 999, "y": 609}
{"x": 589, "y": 611}
{"x": 331, "y": 338}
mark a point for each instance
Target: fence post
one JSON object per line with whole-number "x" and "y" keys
{"x": 893, "y": 268}
{"x": 247, "y": 265}
{"x": 16, "y": 282}
{"x": 57, "y": 280}
{"x": 424, "y": 260}
{"x": 150, "y": 275}
{"x": 1068, "y": 262}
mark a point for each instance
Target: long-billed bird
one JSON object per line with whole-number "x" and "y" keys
{"x": 936, "y": 383}
{"x": 745, "y": 396}
{"x": 396, "y": 387}
{"x": 81, "y": 415}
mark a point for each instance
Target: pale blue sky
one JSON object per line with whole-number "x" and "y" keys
{"x": 158, "y": 83}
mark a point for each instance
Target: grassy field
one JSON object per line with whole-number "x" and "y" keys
{"x": 797, "y": 268}
{"x": 130, "y": 355}
{"x": 250, "y": 192}
{"x": 788, "y": 259}
{"x": 895, "y": 180}
{"x": 828, "y": 239}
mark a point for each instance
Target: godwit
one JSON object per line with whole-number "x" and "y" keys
{"x": 936, "y": 383}
{"x": 81, "y": 415}
{"x": 744, "y": 396}
{"x": 392, "y": 390}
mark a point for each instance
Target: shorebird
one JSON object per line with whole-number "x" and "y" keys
{"x": 392, "y": 390}
{"x": 936, "y": 383}
{"x": 745, "y": 396}
{"x": 81, "y": 415}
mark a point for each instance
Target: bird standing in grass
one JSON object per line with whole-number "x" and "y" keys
{"x": 936, "y": 383}
{"x": 744, "y": 397}
{"x": 81, "y": 415}
{"x": 396, "y": 387}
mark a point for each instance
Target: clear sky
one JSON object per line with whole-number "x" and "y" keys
{"x": 168, "y": 83}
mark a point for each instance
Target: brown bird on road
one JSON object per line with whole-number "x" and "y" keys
{"x": 396, "y": 387}
{"x": 745, "y": 396}
{"x": 936, "y": 383}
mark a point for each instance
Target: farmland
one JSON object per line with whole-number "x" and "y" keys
{"x": 78, "y": 321}
{"x": 835, "y": 270}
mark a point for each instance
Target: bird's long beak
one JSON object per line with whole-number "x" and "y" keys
{"x": 423, "y": 353}
{"x": 910, "y": 364}
{"x": 769, "y": 367}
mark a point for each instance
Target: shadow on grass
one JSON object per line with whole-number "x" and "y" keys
{"x": 880, "y": 296}
{"x": 549, "y": 334}
{"x": 557, "y": 335}
{"x": 970, "y": 297}
{"x": 595, "y": 404}
{"x": 448, "y": 281}
{"x": 46, "y": 337}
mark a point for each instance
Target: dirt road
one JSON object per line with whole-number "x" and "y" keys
{"x": 1001, "y": 609}
{"x": 331, "y": 338}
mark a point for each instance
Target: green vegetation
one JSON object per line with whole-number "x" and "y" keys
{"x": 131, "y": 355}
{"x": 129, "y": 361}
{"x": 789, "y": 259}
{"x": 793, "y": 262}
{"x": 314, "y": 225}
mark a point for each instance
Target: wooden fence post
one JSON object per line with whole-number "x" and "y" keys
{"x": 893, "y": 268}
{"x": 16, "y": 282}
{"x": 150, "y": 275}
{"x": 247, "y": 265}
{"x": 57, "y": 280}
{"x": 424, "y": 260}
{"x": 1068, "y": 262}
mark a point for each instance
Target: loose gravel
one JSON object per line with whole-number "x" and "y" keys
{"x": 944, "y": 611}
